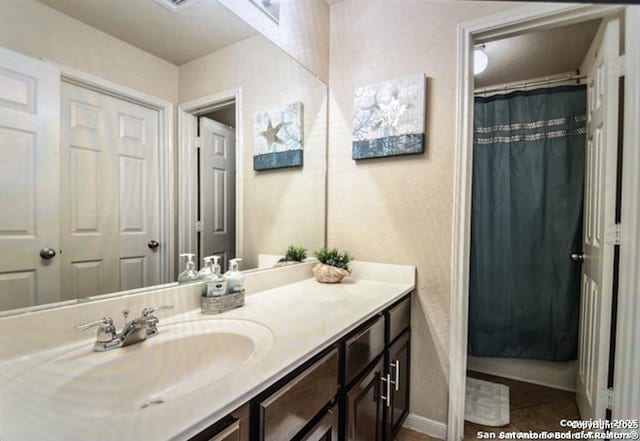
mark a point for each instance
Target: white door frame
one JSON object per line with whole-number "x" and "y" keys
{"x": 187, "y": 167}
{"x": 164, "y": 108}
{"x": 511, "y": 23}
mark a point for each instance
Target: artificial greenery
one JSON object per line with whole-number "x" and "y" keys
{"x": 294, "y": 254}
{"x": 333, "y": 257}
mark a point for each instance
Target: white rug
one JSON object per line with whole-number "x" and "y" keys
{"x": 486, "y": 403}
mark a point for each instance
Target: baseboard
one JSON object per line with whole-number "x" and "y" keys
{"x": 435, "y": 429}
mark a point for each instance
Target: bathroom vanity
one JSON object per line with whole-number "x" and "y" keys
{"x": 300, "y": 361}
{"x": 357, "y": 388}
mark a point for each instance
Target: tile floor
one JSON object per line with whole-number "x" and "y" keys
{"x": 410, "y": 435}
{"x": 533, "y": 408}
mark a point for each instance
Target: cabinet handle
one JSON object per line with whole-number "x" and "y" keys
{"x": 386, "y": 382}
{"x": 396, "y": 367}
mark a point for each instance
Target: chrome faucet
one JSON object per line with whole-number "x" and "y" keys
{"x": 134, "y": 331}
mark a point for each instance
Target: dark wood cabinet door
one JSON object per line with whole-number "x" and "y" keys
{"x": 399, "y": 358}
{"x": 364, "y": 407}
{"x": 242, "y": 416}
{"x": 326, "y": 429}
{"x": 234, "y": 427}
{"x": 231, "y": 433}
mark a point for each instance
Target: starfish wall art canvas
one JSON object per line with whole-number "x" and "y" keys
{"x": 277, "y": 137}
{"x": 389, "y": 118}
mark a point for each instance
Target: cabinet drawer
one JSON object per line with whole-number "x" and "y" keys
{"x": 363, "y": 348}
{"x": 399, "y": 318}
{"x": 288, "y": 410}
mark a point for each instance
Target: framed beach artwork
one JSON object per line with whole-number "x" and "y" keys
{"x": 389, "y": 118}
{"x": 278, "y": 137}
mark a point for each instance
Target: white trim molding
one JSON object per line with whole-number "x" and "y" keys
{"x": 626, "y": 396}
{"x": 503, "y": 25}
{"x": 434, "y": 429}
{"x": 187, "y": 167}
{"x": 165, "y": 155}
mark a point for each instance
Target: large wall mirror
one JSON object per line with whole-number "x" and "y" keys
{"x": 131, "y": 132}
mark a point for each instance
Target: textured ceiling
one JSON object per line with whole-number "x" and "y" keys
{"x": 537, "y": 54}
{"x": 200, "y": 29}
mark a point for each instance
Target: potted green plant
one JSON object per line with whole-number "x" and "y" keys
{"x": 293, "y": 255}
{"x": 333, "y": 266}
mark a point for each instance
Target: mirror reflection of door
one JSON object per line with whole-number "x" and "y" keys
{"x": 109, "y": 194}
{"x": 217, "y": 186}
{"x": 29, "y": 89}
{"x": 79, "y": 212}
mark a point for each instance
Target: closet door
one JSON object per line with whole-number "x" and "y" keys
{"x": 109, "y": 194}
{"x": 600, "y": 199}
{"x": 29, "y": 141}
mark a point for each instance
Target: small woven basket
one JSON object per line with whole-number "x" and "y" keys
{"x": 329, "y": 274}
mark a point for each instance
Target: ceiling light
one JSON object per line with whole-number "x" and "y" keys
{"x": 176, "y": 5}
{"x": 480, "y": 61}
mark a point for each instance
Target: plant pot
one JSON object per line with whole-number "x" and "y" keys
{"x": 329, "y": 274}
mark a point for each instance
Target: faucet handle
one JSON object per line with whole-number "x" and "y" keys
{"x": 108, "y": 321}
{"x": 151, "y": 309}
{"x": 106, "y": 330}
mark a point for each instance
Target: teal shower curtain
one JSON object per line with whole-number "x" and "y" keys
{"x": 528, "y": 170}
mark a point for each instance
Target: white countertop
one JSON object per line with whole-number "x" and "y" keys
{"x": 304, "y": 318}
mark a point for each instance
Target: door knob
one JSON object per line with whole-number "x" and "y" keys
{"x": 47, "y": 253}
{"x": 153, "y": 244}
{"x": 577, "y": 257}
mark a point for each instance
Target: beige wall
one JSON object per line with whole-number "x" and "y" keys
{"x": 281, "y": 207}
{"x": 303, "y": 31}
{"x": 36, "y": 30}
{"x": 400, "y": 209}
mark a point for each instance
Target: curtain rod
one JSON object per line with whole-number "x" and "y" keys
{"x": 516, "y": 85}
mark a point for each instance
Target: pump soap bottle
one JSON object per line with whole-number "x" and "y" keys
{"x": 189, "y": 274}
{"x": 218, "y": 284}
{"x": 206, "y": 275}
{"x": 235, "y": 278}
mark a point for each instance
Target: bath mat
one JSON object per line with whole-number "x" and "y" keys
{"x": 486, "y": 403}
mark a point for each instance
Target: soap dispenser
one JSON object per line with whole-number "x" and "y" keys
{"x": 206, "y": 274}
{"x": 235, "y": 278}
{"x": 189, "y": 274}
{"x": 217, "y": 286}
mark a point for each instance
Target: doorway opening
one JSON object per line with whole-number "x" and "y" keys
{"x": 584, "y": 370}
{"x": 217, "y": 184}
{"x": 210, "y": 168}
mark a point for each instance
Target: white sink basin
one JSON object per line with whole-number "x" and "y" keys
{"x": 182, "y": 358}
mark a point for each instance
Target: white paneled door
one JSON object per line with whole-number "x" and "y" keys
{"x": 599, "y": 227}
{"x": 29, "y": 136}
{"x": 217, "y": 190}
{"x": 109, "y": 192}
